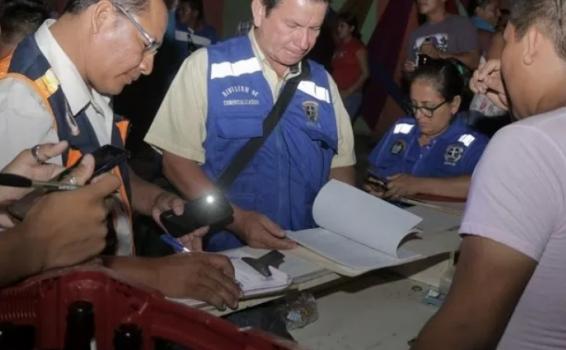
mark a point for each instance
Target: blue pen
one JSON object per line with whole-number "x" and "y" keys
{"x": 171, "y": 241}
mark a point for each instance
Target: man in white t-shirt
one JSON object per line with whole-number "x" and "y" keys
{"x": 508, "y": 290}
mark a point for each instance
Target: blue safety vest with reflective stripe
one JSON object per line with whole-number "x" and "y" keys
{"x": 455, "y": 152}
{"x": 285, "y": 175}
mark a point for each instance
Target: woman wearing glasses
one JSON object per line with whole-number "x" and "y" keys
{"x": 433, "y": 151}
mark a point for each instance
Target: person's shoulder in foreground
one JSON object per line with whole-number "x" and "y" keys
{"x": 517, "y": 201}
{"x": 508, "y": 280}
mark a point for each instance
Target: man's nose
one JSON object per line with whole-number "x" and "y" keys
{"x": 146, "y": 64}
{"x": 305, "y": 38}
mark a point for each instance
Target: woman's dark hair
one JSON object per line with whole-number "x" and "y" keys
{"x": 352, "y": 21}
{"x": 443, "y": 74}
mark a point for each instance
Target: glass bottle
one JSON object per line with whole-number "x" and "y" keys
{"x": 79, "y": 333}
{"x": 128, "y": 337}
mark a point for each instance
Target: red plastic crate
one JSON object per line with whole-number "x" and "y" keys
{"x": 43, "y": 301}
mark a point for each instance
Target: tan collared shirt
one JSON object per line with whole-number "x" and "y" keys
{"x": 180, "y": 124}
{"x": 25, "y": 121}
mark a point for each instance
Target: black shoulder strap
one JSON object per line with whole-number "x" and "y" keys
{"x": 247, "y": 152}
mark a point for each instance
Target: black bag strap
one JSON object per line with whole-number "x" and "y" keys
{"x": 247, "y": 152}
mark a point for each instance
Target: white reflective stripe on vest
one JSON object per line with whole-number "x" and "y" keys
{"x": 467, "y": 139}
{"x": 403, "y": 128}
{"x": 318, "y": 92}
{"x": 236, "y": 69}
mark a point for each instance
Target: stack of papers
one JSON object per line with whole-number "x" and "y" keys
{"x": 251, "y": 282}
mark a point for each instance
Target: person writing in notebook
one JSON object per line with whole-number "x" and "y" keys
{"x": 68, "y": 228}
{"x": 57, "y": 87}
{"x": 218, "y": 102}
{"x": 432, "y": 151}
{"x": 508, "y": 288}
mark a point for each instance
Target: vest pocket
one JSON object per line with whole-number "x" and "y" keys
{"x": 232, "y": 134}
{"x": 326, "y": 141}
{"x": 239, "y": 127}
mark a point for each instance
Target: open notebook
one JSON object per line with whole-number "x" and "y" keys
{"x": 362, "y": 232}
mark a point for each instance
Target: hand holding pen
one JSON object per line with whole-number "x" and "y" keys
{"x": 13, "y": 180}
{"x": 30, "y": 170}
{"x": 192, "y": 241}
{"x": 68, "y": 227}
{"x": 172, "y": 242}
{"x": 32, "y": 164}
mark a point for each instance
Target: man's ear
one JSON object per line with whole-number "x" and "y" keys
{"x": 455, "y": 104}
{"x": 258, "y": 12}
{"x": 101, "y": 14}
{"x": 532, "y": 44}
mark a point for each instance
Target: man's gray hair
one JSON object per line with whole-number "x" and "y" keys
{"x": 271, "y": 4}
{"x": 133, "y": 6}
{"x": 548, "y": 15}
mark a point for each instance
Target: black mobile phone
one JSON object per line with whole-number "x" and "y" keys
{"x": 105, "y": 159}
{"x": 212, "y": 210}
{"x": 378, "y": 183}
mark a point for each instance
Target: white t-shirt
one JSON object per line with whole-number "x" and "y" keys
{"x": 518, "y": 198}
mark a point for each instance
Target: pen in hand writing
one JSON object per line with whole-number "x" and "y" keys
{"x": 14, "y": 180}
{"x": 171, "y": 241}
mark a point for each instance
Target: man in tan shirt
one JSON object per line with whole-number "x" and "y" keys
{"x": 218, "y": 101}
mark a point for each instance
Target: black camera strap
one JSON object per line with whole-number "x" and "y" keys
{"x": 247, "y": 152}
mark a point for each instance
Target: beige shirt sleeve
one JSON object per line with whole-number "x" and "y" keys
{"x": 24, "y": 120}
{"x": 346, "y": 155}
{"x": 180, "y": 124}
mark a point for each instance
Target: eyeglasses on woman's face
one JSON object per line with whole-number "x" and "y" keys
{"x": 425, "y": 110}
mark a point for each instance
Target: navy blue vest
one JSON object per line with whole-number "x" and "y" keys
{"x": 28, "y": 60}
{"x": 453, "y": 153}
{"x": 285, "y": 175}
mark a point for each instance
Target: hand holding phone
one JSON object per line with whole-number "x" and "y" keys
{"x": 376, "y": 184}
{"x": 105, "y": 159}
{"x": 210, "y": 210}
